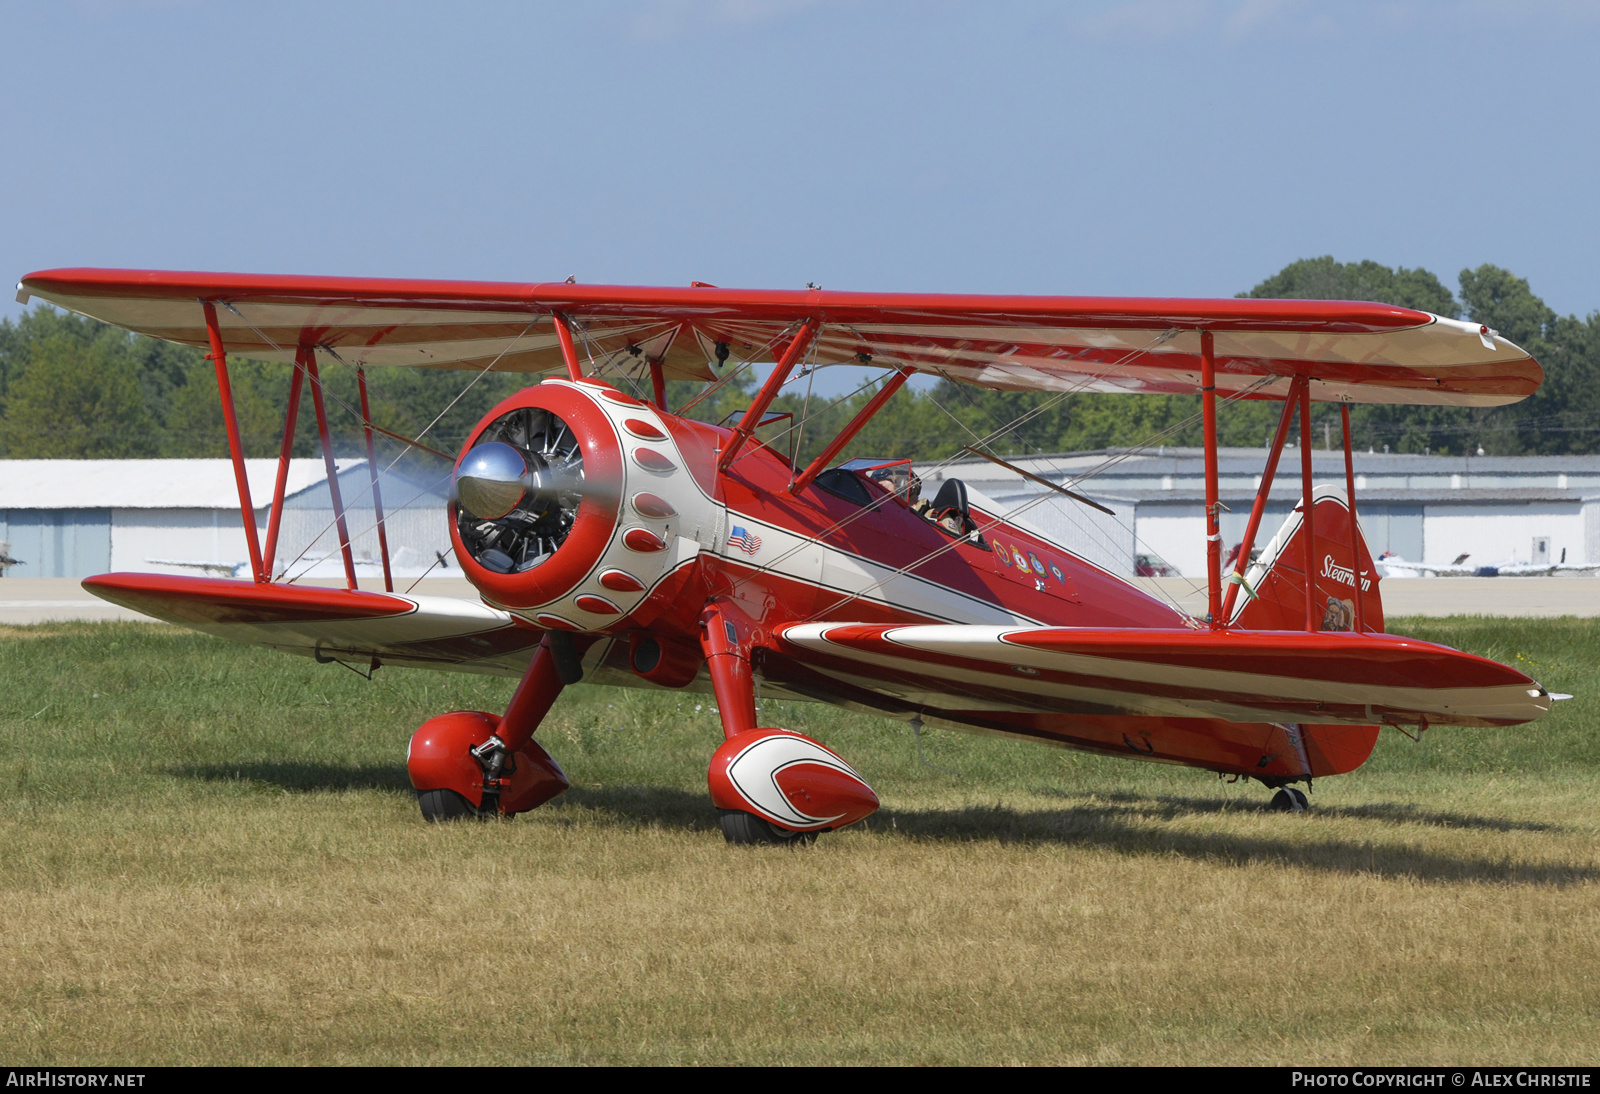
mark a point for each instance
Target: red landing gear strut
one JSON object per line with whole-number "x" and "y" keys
{"x": 470, "y": 763}
{"x": 769, "y": 785}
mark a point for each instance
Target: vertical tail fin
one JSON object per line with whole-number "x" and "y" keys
{"x": 1277, "y": 580}
{"x": 1274, "y": 594}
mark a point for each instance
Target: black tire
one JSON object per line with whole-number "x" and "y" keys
{"x": 1287, "y": 800}
{"x": 749, "y": 830}
{"x": 445, "y": 805}
{"x": 1299, "y": 796}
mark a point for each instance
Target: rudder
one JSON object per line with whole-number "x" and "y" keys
{"x": 1274, "y": 586}
{"x": 1277, "y": 580}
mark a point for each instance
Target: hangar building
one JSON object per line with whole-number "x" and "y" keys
{"x": 1496, "y": 509}
{"x": 73, "y": 518}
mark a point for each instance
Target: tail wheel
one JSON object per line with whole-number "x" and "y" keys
{"x": 747, "y": 829}
{"x": 447, "y": 805}
{"x": 1289, "y": 799}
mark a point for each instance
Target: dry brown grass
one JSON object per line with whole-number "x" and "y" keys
{"x": 14, "y": 633}
{"x": 188, "y": 892}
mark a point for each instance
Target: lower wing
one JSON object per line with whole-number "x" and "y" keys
{"x": 334, "y": 624}
{"x": 1237, "y": 676}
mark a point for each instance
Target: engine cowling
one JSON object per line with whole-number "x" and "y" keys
{"x": 574, "y": 508}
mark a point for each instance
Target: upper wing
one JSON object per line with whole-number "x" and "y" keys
{"x": 1258, "y": 676}
{"x": 334, "y": 624}
{"x": 1357, "y": 352}
{"x": 372, "y": 321}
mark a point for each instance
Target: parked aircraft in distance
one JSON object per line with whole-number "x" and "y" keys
{"x": 1392, "y": 565}
{"x": 221, "y": 569}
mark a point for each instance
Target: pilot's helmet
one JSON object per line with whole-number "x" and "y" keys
{"x": 896, "y": 478}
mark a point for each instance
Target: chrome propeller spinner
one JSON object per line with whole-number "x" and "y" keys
{"x": 517, "y": 490}
{"x": 491, "y": 480}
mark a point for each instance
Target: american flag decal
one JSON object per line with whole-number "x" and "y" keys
{"x": 744, "y": 541}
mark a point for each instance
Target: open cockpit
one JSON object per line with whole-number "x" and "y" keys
{"x": 865, "y": 480}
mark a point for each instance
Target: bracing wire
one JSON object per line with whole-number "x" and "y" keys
{"x": 594, "y": 369}
{"x": 367, "y": 488}
{"x": 800, "y": 426}
{"x": 748, "y": 361}
{"x": 1165, "y": 336}
{"x": 1003, "y": 518}
{"x": 873, "y": 506}
{"x": 1128, "y": 453}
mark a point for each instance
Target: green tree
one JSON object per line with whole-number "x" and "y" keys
{"x": 1400, "y": 428}
{"x": 1324, "y": 279}
{"x": 193, "y": 425}
{"x": 1502, "y": 301}
{"x": 50, "y": 346}
{"x": 76, "y": 401}
{"x": 1561, "y": 415}
{"x": 69, "y": 385}
{"x": 172, "y": 408}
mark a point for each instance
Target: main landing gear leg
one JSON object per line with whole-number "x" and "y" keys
{"x": 469, "y": 763}
{"x": 770, "y": 786}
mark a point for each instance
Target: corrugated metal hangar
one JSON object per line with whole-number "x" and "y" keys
{"x": 1432, "y": 509}
{"x": 73, "y": 518}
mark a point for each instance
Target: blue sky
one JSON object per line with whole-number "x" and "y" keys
{"x": 1152, "y": 147}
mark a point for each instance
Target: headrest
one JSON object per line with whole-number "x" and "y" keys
{"x": 952, "y": 495}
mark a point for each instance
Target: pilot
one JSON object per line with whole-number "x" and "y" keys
{"x": 950, "y": 519}
{"x": 923, "y": 507}
{"x": 899, "y": 479}
{"x": 919, "y": 504}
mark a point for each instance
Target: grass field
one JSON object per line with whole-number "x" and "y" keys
{"x": 210, "y": 854}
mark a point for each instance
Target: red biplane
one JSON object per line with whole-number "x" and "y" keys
{"x": 615, "y": 540}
